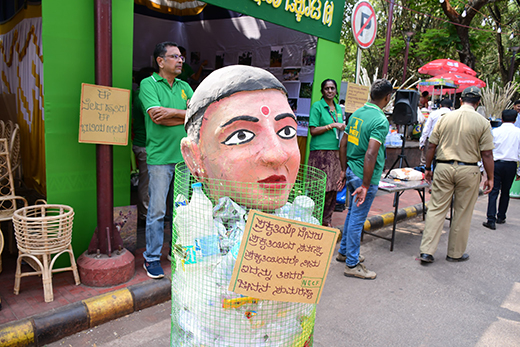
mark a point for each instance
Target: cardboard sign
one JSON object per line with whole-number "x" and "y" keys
{"x": 357, "y": 96}
{"x": 282, "y": 259}
{"x": 104, "y": 115}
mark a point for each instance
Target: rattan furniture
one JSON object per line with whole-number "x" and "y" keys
{"x": 8, "y": 198}
{"x": 1, "y": 248}
{"x": 43, "y": 233}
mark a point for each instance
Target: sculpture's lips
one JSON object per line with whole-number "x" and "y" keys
{"x": 274, "y": 182}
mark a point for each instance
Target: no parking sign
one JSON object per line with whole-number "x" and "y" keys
{"x": 364, "y": 24}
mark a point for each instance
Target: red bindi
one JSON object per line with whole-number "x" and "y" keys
{"x": 265, "y": 110}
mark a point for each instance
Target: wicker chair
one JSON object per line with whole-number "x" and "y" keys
{"x": 43, "y": 233}
{"x": 14, "y": 152}
{"x": 1, "y": 248}
{"x": 8, "y": 130}
{"x": 8, "y": 199}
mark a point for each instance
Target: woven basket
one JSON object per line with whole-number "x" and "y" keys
{"x": 43, "y": 229}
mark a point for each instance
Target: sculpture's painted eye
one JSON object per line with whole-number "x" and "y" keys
{"x": 239, "y": 137}
{"x": 287, "y": 132}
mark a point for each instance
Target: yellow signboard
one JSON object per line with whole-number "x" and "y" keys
{"x": 282, "y": 259}
{"x": 104, "y": 115}
{"x": 357, "y": 96}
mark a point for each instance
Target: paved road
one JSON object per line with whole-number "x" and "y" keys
{"x": 476, "y": 303}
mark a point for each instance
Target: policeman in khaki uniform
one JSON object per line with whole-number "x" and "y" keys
{"x": 459, "y": 140}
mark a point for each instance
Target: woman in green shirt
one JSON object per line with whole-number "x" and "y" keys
{"x": 326, "y": 126}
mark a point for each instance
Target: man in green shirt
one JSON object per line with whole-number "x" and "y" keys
{"x": 362, "y": 148}
{"x": 164, "y": 99}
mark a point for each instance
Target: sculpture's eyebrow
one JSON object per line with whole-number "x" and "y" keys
{"x": 284, "y": 115}
{"x": 237, "y": 118}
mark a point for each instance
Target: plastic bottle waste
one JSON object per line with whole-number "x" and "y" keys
{"x": 388, "y": 139}
{"x": 201, "y": 214}
{"x": 201, "y": 210}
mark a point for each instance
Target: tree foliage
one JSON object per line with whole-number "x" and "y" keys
{"x": 441, "y": 30}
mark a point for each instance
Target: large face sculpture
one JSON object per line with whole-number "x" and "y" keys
{"x": 248, "y": 139}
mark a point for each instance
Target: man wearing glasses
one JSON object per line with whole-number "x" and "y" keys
{"x": 164, "y": 99}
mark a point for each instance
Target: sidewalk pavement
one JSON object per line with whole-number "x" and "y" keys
{"x": 26, "y": 320}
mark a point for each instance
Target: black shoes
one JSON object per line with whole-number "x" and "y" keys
{"x": 491, "y": 225}
{"x": 501, "y": 221}
{"x": 464, "y": 257}
{"x": 426, "y": 258}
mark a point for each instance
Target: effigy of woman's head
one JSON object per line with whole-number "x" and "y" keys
{"x": 241, "y": 139}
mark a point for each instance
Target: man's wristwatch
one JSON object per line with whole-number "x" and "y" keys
{"x": 427, "y": 169}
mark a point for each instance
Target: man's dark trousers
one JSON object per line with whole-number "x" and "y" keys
{"x": 505, "y": 172}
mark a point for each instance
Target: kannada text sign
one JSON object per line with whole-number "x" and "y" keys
{"x": 104, "y": 115}
{"x": 357, "y": 96}
{"x": 282, "y": 259}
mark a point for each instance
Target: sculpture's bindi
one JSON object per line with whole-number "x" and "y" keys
{"x": 265, "y": 110}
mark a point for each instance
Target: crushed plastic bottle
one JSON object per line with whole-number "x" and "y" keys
{"x": 201, "y": 210}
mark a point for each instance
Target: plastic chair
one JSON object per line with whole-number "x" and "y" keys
{"x": 43, "y": 233}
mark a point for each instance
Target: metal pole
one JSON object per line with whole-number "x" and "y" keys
{"x": 408, "y": 35}
{"x": 104, "y": 155}
{"x": 358, "y": 64}
{"x": 388, "y": 37}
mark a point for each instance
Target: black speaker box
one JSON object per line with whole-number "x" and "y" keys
{"x": 405, "y": 107}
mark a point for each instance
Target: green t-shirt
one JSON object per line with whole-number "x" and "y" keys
{"x": 368, "y": 122}
{"x": 138, "y": 127}
{"x": 320, "y": 115}
{"x": 163, "y": 143}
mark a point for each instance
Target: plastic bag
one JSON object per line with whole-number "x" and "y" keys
{"x": 407, "y": 174}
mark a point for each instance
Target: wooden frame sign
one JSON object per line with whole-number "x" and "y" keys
{"x": 104, "y": 115}
{"x": 357, "y": 96}
{"x": 282, "y": 259}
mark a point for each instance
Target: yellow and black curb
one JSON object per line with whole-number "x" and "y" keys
{"x": 70, "y": 319}
{"x": 382, "y": 220}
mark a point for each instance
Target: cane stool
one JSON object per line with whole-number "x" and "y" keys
{"x": 43, "y": 233}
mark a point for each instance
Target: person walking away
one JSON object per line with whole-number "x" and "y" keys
{"x": 506, "y": 155}
{"x": 459, "y": 140}
{"x": 432, "y": 119}
{"x": 164, "y": 99}
{"x": 326, "y": 125}
{"x": 362, "y": 157}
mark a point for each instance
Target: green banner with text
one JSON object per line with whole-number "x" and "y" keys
{"x": 321, "y": 18}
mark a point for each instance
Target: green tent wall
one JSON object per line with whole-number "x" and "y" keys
{"x": 68, "y": 50}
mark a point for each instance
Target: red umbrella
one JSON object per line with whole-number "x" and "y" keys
{"x": 463, "y": 80}
{"x": 441, "y": 66}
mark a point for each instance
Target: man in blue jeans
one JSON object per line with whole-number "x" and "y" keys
{"x": 362, "y": 149}
{"x": 164, "y": 99}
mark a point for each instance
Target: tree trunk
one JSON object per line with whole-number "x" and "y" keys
{"x": 472, "y": 8}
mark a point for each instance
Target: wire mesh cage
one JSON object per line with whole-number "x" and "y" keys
{"x": 209, "y": 221}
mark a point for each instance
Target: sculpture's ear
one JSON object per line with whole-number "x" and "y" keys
{"x": 192, "y": 157}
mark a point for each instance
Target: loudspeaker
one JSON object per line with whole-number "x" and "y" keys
{"x": 405, "y": 107}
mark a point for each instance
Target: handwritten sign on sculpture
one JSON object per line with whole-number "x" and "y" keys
{"x": 357, "y": 96}
{"x": 282, "y": 259}
{"x": 104, "y": 115}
